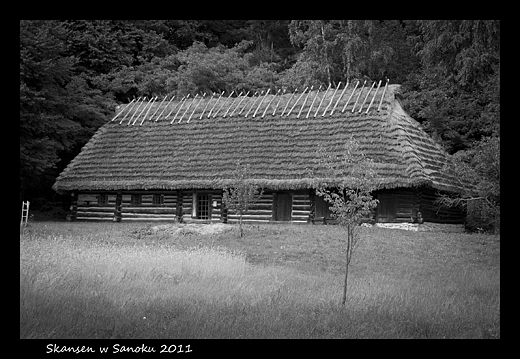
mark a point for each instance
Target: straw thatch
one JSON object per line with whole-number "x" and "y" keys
{"x": 194, "y": 142}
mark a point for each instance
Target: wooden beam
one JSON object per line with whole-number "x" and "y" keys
{"x": 239, "y": 103}
{"x": 144, "y": 108}
{"x": 288, "y": 102}
{"x": 305, "y": 101}
{"x": 383, "y": 95}
{"x": 357, "y": 99}
{"x": 168, "y": 104}
{"x": 261, "y": 102}
{"x": 181, "y": 103}
{"x": 323, "y": 98}
{"x": 340, "y": 97}
{"x": 350, "y": 97}
{"x": 331, "y": 99}
{"x": 312, "y": 103}
{"x": 269, "y": 104}
{"x": 120, "y": 112}
{"x": 299, "y": 98}
{"x": 222, "y": 105}
{"x": 277, "y": 103}
{"x": 136, "y": 110}
{"x": 149, "y": 108}
{"x": 130, "y": 109}
{"x": 365, "y": 100}
{"x": 215, "y": 104}
{"x": 231, "y": 105}
{"x": 375, "y": 94}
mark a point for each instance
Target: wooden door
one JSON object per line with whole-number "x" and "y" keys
{"x": 282, "y": 207}
{"x": 387, "y": 207}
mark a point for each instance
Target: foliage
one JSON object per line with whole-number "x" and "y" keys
{"x": 243, "y": 193}
{"x": 477, "y": 171}
{"x": 351, "y": 199}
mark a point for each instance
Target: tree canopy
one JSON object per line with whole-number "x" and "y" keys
{"x": 73, "y": 73}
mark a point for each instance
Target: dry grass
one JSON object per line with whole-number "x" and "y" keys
{"x": 91, "y": 280}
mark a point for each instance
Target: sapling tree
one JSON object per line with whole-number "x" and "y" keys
{"x": 349, "y": 179}
{"x": 242, "y": 193}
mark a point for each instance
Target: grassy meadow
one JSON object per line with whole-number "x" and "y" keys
{"x": 127, "y": 280}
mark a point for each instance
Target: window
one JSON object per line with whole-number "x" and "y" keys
{"x": 157, "y": 199}
{"x": 102, "y": 199}
{"x": 203, "y": 206}
{"x": 136, "y": 199}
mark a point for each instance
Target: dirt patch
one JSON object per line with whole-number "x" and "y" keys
{"x": 179, "y": 229}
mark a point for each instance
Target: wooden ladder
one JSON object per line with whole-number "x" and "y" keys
{"x": 25, "y": 213}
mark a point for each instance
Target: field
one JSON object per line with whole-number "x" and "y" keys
{"x": 130, "y": 280}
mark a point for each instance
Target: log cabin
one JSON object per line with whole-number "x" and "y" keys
{"x": 169, "y": 159}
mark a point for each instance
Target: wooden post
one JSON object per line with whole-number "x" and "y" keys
{"x": 215, "y": 104}
{"x": 195, "y": 109}
{"x": 299, "y": 98}
{"x": 331, "y": 99}
{"x": 118, "y": 208}
{"x": 313, "y": 100}
{"x": 137, "y": 109}
{"x": 187, "y": 108}
{"x": 74, "y": 206}
{"x": 231, "y": 105}
{"x": 277, "y": 103}
{"x": 149, "y": 108}
{"x": 256, "y": 99}
{"x": 144, "y": 108}
{"x": 312, "y": 211}
{"x": 350, "y": 97}
{"x": 130, "y": 109}
{"x": 224, "y": 213}
{"x": 207, "y": 104}
{"x": 178, "y": 208}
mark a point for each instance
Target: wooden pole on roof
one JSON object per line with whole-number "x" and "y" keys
{"x": 331, "y": 99}
{"x": 261, "y": 102}
{"x": 222, "y": 105}
{"x": 120, "y": 112}
{"x": 383, "y": 95}
{"x": 254, "y": 101}
{"x": 313, "y": 100}
{"x": 130, "y": 109}
{"x": 299, "y": 98}
{"x": 277, "y": 103}
{"x": 137, "y": 109}
{"x": 187, "y": 108}
{"x": 215, "y": 104}
{"x": 365, "y": 100}
{"x": 357, "y": 99}
{"x": 269, "y": 104}
{"x": 340, "y": 97}
{"x": 239, "y": 103}
{"x": 288, "y": 102}
{"x": 350, "y": 97}
{"x": 375, "y": 94}
{"x": 231, "y": 105}
{"x": 323, "y": 98}
{"x": 144, "y": 108}
{"x": 168, "y": 104}
{"x": 305, "y": 101}
{"x": 149, "y": 108}
{"x": 181, "y": 103}
{"x": 158, "y": 106}
{"x": 207, "y": 103}
{"x": 195, "y": 109}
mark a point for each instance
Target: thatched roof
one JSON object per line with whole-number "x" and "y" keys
{"x": 195, "y": 142}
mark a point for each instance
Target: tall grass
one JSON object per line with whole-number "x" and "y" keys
{"x": 75, "y": 284}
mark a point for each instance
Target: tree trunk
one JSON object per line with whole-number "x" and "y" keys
{"x": 240, "y": 226}
{"x": 345, "y": 285}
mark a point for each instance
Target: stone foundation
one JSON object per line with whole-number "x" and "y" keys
{"x": 424, "y": 227}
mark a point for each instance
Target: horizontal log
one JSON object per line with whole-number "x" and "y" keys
{"x": 150, "y": 210}
{"x": 95, "y": 214}
{"x": 95, "y": 218}
{"x": 147, "y": 215}
{"x": 107, "y": 209}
